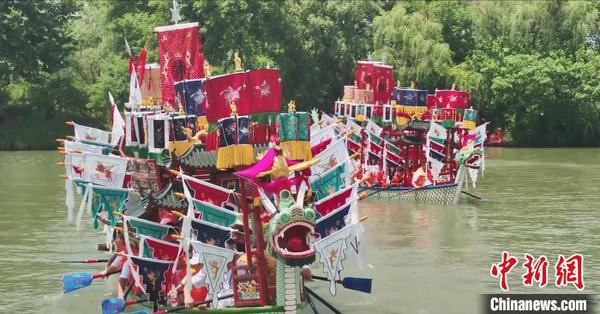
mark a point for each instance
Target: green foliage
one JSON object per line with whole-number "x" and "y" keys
{"x": 413, "y": 44}
{"x": 532, "y": 67}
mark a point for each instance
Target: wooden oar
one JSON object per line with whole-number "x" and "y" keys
{"x": 479, "y": 198}
{"x": 183, "y": 307}
{"x": 118, "y": 305}
{"x": 75, "y": 281}
{"x": 327, "y": 304}
{"x": 86, "y": 261}
{"x": 352, "y": 283}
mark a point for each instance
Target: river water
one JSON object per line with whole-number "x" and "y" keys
{"x": 422, "y": 258}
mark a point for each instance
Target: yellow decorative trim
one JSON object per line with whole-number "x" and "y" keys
{"x": 297, "y": 150}
{"x": 235, "y": 155}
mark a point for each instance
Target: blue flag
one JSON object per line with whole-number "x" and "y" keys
{"x": 332, "y": 222}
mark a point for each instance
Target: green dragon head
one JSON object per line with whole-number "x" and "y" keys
{"x": 469, "y": 155}
{"x": 289, "y": 231}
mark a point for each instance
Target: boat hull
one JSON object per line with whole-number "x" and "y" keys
{"x": 438, "y": 194}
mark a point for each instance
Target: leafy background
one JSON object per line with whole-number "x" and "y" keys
{"x": 533, "y": 67}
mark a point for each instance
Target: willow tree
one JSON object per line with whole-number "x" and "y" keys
{"x": 413, "y": 44}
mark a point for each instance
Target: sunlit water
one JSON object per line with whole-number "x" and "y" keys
{"x": 422, "y": 258}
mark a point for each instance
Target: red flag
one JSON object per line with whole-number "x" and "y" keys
{"x": 206, "y": 191}
{"x": 160, "y": 249}
{"x": 383, "y": 83}
{"x": 452, "y": 99}
{"x": 364, "y": 74}
{"x": 265, "y": 90}
{"x": 180, "y": 53}
{"x": 334, "y": 201}
{"x": 316, "y": 149}
{"x": 221, "y": 91}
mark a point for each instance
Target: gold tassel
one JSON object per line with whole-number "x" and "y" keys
{"x": 469, "y": 125}
{"x": 297, "y": 150}
{"x": 235, "y": 155}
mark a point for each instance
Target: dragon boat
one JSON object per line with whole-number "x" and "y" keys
{"x": 413, "y": 145}
{"x": 202, "y": 175}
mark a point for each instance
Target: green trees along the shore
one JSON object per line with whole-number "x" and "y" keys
{"x": 533, "y": 68}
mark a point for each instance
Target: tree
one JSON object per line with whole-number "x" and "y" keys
{"x": 413, "y": 44}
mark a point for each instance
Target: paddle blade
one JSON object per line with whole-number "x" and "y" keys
{"x": 358, "y": 284}
{"x": 113, "y": 306}
{"x": 72, "y": 282}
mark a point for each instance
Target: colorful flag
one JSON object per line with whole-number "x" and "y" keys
{"x": 158, "y": 133}
{"x": 332, "y": 250}
{"x": 209, "y": 233}
{"x": 146, "y": 227}
{"x": 206, "y": 191}
{"x": 264, "y": 87}
{"x": 383, "y": 83}
{"x": 72, "y": 147}
{"x": 158, "y": 249}
{"x": 327, "y": 183}
{"x": 221, "y": 91}
{"x": 325, "y": 133}
{"x": 88, "y": 134}
{"x": 333, "y": 155}
{"x": 436, "y": 141}
{"x": 190, "y": 95}
{"x": 334, "y": 220}
{"x": 109, "y": 200}
{"x": 215, "y": 261}
{"x": 180, "y": 54}
{"x": 150, "y": 275}
{"x": 374, "y": 128}
{"x": 105, "y": 170}
{"x": 215, "y": 214}
{"x": 332, "y": 202}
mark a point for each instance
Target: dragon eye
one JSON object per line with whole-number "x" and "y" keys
{"x": 309, "y": 214}
{"x": 284, "y": 218}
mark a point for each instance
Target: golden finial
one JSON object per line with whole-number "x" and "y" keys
{"x": 238, "y": 62}
{"x": 413, "y": 85}
{"x": 233, "y": 108}
{"x": 453, "y": 86}
{"x": 292, "y": 106}
{"x": 207, "y": 69}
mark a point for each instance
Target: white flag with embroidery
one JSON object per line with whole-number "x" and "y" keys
{"x": 135, "y": 92}
{"x": 374, "y": 128}
{"x": 321, "y": 135}
{"x": 118, "y": 124}
{"x": 332, "y": 251}
{"x": 105, "y": 170}
{"x": 351, "y": 125}
{"x": 328, "y": 120}
{"x": 77, "y": 147}
{"x": 333, "y": 155}
{"x": 86, "y": 133}
{"x": 215, "y": 260}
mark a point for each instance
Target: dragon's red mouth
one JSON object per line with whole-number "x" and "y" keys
{"x": 293, "y": 240}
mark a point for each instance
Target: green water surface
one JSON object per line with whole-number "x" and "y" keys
{"x": 422, "y": 258}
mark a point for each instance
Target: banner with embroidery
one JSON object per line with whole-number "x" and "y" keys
{"x": 332, "y": 251}
{"x": 215, "y": 260}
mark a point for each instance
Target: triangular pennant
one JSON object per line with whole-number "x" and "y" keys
{"x": 332, "y": 250}
{"x": 215, "y": 260}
